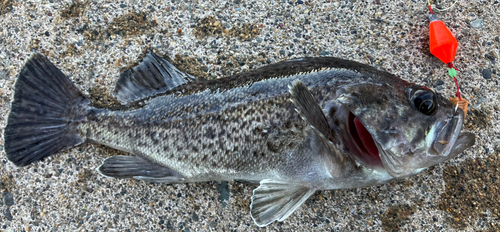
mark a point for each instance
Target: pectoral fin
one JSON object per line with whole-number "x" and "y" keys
{"x": 276, "y": 200}
{"x": 308, "y": 109}
{"x": 136, "y": 167}
{"x": 311, "y": 112}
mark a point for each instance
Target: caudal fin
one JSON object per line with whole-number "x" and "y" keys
{"x": 45, "y": 113}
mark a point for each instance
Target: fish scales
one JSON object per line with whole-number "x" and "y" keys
{"x": 294, "y": 127}
{"x": 238, "y": 133}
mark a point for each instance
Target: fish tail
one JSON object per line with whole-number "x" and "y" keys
{"x": 45, "y": 113}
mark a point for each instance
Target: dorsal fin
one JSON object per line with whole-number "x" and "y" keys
{"x": 154, "y": 75}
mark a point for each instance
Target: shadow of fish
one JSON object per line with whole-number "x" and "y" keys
{"x": 294, "y": 127}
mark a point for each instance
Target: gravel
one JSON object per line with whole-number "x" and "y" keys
{"x": 486, "y": 74}
{"x": 93, "y": 41}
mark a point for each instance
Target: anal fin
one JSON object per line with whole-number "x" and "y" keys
{"x": 276, "y": 200}
{"x": 136, "y": 167}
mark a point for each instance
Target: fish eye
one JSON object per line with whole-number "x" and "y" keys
{"x": 425, "y": 102}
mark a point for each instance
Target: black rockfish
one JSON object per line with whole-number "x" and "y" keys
{"x": 294, "y": 127}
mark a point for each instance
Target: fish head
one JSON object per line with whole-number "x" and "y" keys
{"x": 402, "y": 128}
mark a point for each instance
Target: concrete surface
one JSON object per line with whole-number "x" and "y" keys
{"x": 93, "y": 41}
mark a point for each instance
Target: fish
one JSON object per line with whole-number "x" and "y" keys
{"x": 293, "y": 127}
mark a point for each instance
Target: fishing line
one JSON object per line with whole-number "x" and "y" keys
{"x": 441, "y": 10}
{"x": 443, "y": 44}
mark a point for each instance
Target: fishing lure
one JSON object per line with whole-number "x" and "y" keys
{"x": 444, "y": 45}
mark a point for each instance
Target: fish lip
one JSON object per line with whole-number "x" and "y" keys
{"x": 356, "y": 146}
{"x": 456, "y": 142}
{"x": 444, "y": 139}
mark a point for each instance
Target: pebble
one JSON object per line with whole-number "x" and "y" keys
{"x": 223, "y": 189}
{"x": 479, "y": 103}
{"x": 195, "y": 217}
{"x": 324, "y": 53}
{"x": 8, "y": 198}
{"x": 494, "y": 54}
{"x": 486, "y": 74}
{"x": 3, "y": 76}
{"x": 7, "y": 214}
{"x": 490, "y": 57}
{"x": 478, "y": 23}
{"x": 439, "y": 82}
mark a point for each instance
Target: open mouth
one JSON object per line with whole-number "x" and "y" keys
{"x": 363, "y": 146}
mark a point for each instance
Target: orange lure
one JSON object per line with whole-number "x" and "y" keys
{"x": 443, "y": 45}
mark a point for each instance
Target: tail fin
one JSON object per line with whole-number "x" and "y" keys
{"x": 45, "y": 113}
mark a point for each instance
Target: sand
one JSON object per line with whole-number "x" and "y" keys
{"x": 92, "y": 42}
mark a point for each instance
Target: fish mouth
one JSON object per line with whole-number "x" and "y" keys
{"x": 443, "y": 141}
{"x": 445, "y": 136}
{"x": 448, "y": 141}
{"x": 361, "y": 144}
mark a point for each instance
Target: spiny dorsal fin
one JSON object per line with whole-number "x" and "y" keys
{"x": 154, "y": 75}
{"x": 276, "y": 200}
